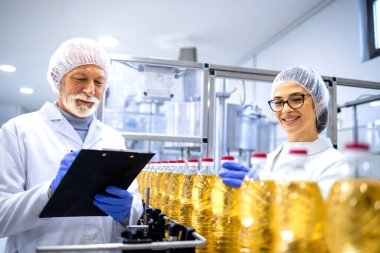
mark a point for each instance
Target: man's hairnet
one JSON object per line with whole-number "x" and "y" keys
{"x": 73, "y": 53}
{"x": 314, "y": 84}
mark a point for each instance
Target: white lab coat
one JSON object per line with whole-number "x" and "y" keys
{"x": 324, "y": 163}
{"x": 31, "y": 148}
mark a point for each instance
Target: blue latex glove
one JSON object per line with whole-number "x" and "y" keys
{"x": 233, "y": 174}
{"x": 63, "y": 168}
{"x": 117, "y": 206}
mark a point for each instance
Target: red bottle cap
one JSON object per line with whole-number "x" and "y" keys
{"x": 192, "y": 160}
{"x": 357, "y": 146}
{"x": 259, "y": 154}
{"x": 228, "y": 158}
{"x": 207, "y": 159}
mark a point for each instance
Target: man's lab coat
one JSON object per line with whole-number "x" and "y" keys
{"x": 324, "y": 163}
{"x": 31, "y": 148}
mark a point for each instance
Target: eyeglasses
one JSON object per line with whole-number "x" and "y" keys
{"x": 294, "y": 102}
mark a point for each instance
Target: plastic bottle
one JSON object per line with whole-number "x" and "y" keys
{"x": 144, "y": 179}
{"x": 185, "y": 192}
{"x": 299, "y": 209}
{"x": 258, "y": 161}
{"x": 225, "y": 222}
{"x": 201, "y": 196}
{"x": 159, "y": 185}
{"x": 175, "y": 181}
{"x": 157, "y": 168}
{"x": 166, "y": 187}
{"x": 256, "y": 209}
{"x": 353, "y": 206}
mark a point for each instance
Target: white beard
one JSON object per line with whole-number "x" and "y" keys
{"x": 82, "y": 111}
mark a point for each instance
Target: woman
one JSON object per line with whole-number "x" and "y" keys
{"x": 300, "y": 104}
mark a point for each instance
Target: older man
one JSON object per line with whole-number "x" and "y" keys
{"x": 35, "y": 153}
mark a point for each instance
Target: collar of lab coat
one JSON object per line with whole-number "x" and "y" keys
{"x": 315, "y": 147}
{"x": 51, "y": 112}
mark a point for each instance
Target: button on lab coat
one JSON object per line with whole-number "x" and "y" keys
{"x": 324, "y": 163}
{"x": 31, "y": 148}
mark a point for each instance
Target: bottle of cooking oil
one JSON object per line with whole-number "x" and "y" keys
{"x": 201, "y": 196}
{"x": 353, "y": 206}
{"x": 153, "y": 187}
{"x": 157, "y": 184}
{"x": 144, "y": 179}
{"x": 299, "y": 208}
{"x": 225, "y": 223}
{"x": 256, "y": 209}
{"x": 165, "y": 186}
{"x": 185, "y": 192}
{"x": 176, "y": 181}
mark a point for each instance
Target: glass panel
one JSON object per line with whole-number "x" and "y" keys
{"x": 368, "y": 117}
{"x": 249, "y": 124}
{"x": 151, "y": 99}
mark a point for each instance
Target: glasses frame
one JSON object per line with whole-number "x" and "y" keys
{"x": 287, "y": 102}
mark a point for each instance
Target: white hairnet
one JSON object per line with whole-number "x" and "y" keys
{"x": 73, "y": 53}
{"x": 314, "y": 84}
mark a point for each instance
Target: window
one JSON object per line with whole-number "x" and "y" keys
{"x": 371, "y": 11}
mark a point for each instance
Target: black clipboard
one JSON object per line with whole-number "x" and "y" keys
{"x": 91, "y": 173}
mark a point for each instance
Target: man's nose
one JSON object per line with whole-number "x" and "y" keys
{"x": 89, "y": 90}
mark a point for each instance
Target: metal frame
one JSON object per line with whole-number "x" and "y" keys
{"x": 199, "y": 240}
{"x": 354, "y": 105}
{"x": 208, "y": 137}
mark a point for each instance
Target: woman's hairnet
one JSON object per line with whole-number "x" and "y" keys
{"x": 73, "y": 53}
{"x": 314, "y": 84}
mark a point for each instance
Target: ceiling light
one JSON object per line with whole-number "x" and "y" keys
{"x": 26, "y": 90}
{"x": 375, "y": 103}
{"x": 108, "y": 41}
{"x": 7, "y": 68}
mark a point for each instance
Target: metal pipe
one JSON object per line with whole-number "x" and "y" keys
{"x": 355, "y": 119}
{"x": 199, "y": 240}
{"x": 360, "y": 101}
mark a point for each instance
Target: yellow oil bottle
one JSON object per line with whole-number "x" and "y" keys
{"x": 353, "y": 206}
{"x": 201, "y": 199}
{"x": 225, "y": 223}
{"x": 256, "y": 209}
{"x": 166, "y": 187}
{"x": 158, "y": 183}
{"x": 155, "y": 184}
{"x": 185, "y": 192}
{"x": 175, "y": 181}
{"x": 299, "y": 209}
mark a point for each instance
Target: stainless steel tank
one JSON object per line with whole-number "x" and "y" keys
{"x": 248, "y": 129}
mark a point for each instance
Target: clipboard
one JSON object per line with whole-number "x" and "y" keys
{"x": 91, "y": 173}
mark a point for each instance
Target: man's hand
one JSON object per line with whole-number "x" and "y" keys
{"x": 118, "y": 205}
{"x": 63, "y": 168}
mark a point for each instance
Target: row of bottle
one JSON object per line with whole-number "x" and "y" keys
{"x": 182, "y": 192}
{"x": 278, "y": 216}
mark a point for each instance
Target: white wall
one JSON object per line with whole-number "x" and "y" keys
{"x": 330, "y": 43}
{"x": 9, "y": 111}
